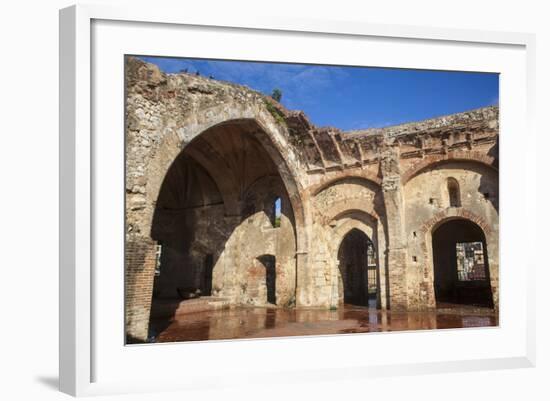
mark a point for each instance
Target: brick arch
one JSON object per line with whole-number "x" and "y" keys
{"x": 368, "y": 177}
{"x": 427, "y": 229}
{"x": 374, "y": 229}
{"x": 272, "y": 135}
{"x": 357, "y": 216}
{"x": 433, "y": 160}
{"x": 344, "y": 207}
{"x": 171, "y": 141}
{"x": 454, "y": 213}
{"x": 364, "y": 225}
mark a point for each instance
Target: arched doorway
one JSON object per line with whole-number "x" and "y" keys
{"x": 461, "y": 268}
{"x": 223, "y": 201}
{"x": 357, "y": 265}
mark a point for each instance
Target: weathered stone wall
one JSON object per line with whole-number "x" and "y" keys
{"x": 345, "y": 204}
{"x": 258, "y": 237}
{"x": 389, "y": 183}
{"x": 164, "y": 114}
{"x": 427, "y": 198}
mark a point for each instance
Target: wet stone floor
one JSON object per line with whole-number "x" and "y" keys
{"x": 258, "y": 322}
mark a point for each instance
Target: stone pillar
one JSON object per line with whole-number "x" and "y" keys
{"x": 302, "y": 279}
{"x": 381, "y": 258}
{"x": 494, "y": 291}
{"x": 492, "y": 256}
{"x": 334, "y": 290}
{"x": 396, "y": 250}
{"x": 304, "y": 276}
{"x": 139, "y": 278}
{"x": 231, "y": 260}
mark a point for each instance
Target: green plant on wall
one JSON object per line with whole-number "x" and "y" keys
{"x": 276, "y": 94}
{"x": 274, "y": 112}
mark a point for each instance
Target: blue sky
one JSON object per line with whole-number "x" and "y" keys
{"x": 352, "y": 97}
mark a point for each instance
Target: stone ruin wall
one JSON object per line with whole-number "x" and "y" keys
{"x": 387, "y": 182}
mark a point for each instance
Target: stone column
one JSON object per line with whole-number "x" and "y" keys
{"x": 381, "y": 256}
{"x": 304, "y": 276}
{"x": 396, "y": 250}
{"x": 492, "y": 256}
{"x": 302, "y": 279}
{"x": 139, "y": 278}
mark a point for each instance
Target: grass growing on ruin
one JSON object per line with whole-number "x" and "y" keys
{"x": 274, "y": 112}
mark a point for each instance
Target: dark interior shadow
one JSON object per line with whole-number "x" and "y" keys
{"x": 269, "y": 262}
{"x": 186, "y": 188}
{"x": 449, "y": 287}
{"x": 352, "y": 257}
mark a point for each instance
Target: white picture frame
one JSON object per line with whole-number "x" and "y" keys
{"x": 84, "y": 357}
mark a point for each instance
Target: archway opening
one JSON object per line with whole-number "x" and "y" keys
{"x": 222, "y": 202}
{"x": 461, "y": 268}
{"x": 357, "y": 265}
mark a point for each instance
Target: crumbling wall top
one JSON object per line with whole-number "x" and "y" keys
{"x": 483, "y": 116}
{"x": 319, "y": 148}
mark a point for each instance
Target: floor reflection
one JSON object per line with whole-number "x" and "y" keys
{"x": 245, "y": 322}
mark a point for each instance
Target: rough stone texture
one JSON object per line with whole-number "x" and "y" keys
{"x": 206, "y": 159}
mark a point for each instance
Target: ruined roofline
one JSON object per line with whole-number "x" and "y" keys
{"x": 486, "y": 117}
{"x": 479, "y": 116}
{"x": 298, "y": 122}
{"x": 192, "y": 77}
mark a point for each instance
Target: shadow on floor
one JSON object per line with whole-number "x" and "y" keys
{"x": 51, "y": 382}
